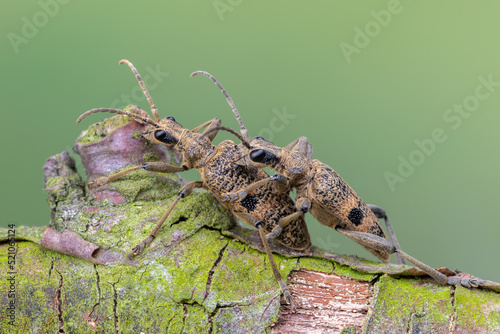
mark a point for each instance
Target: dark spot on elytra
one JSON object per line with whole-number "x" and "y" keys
{"x": 356, "y": 216}
{"x": 249, "y": 203}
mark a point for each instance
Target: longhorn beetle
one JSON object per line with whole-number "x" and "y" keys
{"x": 322, "y": 192}
{"x": 219, "y": 174}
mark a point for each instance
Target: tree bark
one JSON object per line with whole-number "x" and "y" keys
{"x": 203, "y": 273}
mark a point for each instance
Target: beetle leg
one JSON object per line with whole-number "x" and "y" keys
{"x": 209, "y": 125}
{"x": 383, "y": 245}
{"x": 110, "y": 178}
{"x": 281, "y": 184}
{"x": 302, "y": 146}
{"x": 380, "y": 213}
{"x": 184, "y": 192}
{"x": 442, "y": 279}
{"x": 249, "y": 219}
{"x": 302, "y": 205}
{"x": 159, "y": 167}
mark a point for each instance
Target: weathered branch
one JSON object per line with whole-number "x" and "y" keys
{"x": 203, "y": 273}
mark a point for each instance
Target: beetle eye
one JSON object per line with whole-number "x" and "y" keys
{"x": 160, "y": 134}
{"x": 264, "y": 157}
{"x": 165, "y": 137}
{"x": 257, "y": 155}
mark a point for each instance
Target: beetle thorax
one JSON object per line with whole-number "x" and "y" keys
{"x": 294, "y": 167}
{"x": 195, "y": 149}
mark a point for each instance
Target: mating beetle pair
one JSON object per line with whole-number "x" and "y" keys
{"x": 322, "y": 192}
{"x": 234, "y": 175}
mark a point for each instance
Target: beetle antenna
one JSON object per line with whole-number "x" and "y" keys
{"x": 229, "y": 100}
{"x": 154, "y": 110}
{"x": 240, "y": 137}
{"x": 117, "y": 111}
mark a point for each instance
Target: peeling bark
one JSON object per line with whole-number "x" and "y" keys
{"x": 202, "y": 274}
{"x": 68, "y": 243}
{"x": 326, "y": 303}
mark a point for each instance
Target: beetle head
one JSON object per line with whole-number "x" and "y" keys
{"x": 167, "y": 132}
{"x": 263, "y": 153}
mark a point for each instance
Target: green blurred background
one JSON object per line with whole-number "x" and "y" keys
{"x": 363, "y": 81}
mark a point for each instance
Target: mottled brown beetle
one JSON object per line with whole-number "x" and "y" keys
{"x": 220, "y": 174}
{"x": 322, "y": 192}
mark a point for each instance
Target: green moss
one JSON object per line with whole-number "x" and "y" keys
{"x": 175, "y": 323}
{"x": 315, "y": 264}
{"x": 136, "y": 134}
{"x": 165, "y": 294}
{"x": 247, "y": 281}
{"x": 141, "y": 185}
{"x": 347, "y": 271}
{"x": 237, "y": 270}
{"x": 477, "y": 310}
{"x": 40, "y": 275}
{"x": 139, "y": 306}
{"x": 33, "y": 233}
{"x": 424, "y": 306}
{"x": 349, "y": 330}
{"x": 182, "y": 275}
{"x": 148, "y": 196}
{"x": 409, "y": 303}
{"x": 148, "y": 157}
{"x": 54, "y": 181}
{"x": 64, "y": 188}
{"x": 196, "y": 319}
{"x": 96, "y": 132}
{"x": 170, "y": 291}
